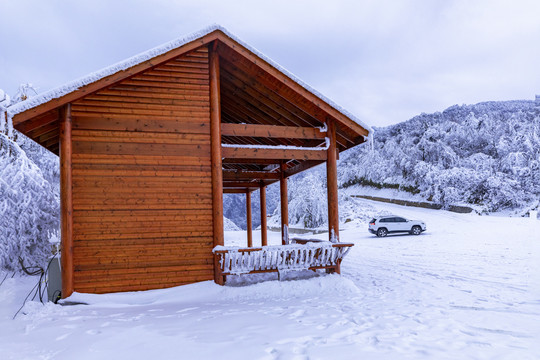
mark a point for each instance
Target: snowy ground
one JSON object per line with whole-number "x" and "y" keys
{"x": 468, "y": 288}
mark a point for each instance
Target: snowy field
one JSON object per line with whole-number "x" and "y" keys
{"x": 468, "y": 288}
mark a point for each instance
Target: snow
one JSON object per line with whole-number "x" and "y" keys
{"x": 162, "y": 49}
{"x": 468, "y": 288}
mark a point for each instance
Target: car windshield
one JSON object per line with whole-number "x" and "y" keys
{"x": 372, "y": 220}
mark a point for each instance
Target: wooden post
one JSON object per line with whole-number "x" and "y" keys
{"x": 331, "y": 183}
{"x": 284, "y": 202}
{"x": 264, "y": 233}
{"x": 248, "y": 215}
{"x": 66, "y": 201}
{"x": 215, "y": 140}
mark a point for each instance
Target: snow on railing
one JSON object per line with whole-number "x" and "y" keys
{"x": 236, "y": 261}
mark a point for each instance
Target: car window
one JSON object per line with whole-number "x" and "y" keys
{"x": 384, "y": 220}
{"x": 372, "y": 221}
{"x": 398, "y": 219}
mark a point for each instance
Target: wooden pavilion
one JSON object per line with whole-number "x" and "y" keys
{"x": 148, "y": 147}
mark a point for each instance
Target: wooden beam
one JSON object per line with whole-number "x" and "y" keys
{"x": 251, "y": 161}
{"x": 284, "y": 203}
{"x": 331, "y": 184}
{"x": 215, "y": 139}
{"x": 279, "y": 153}
{"x": 249, "y": 175}
{"x": 241, "y": 184}
{"x": 248, "y": 220}
{"x": 271, "y": 131}
{"x": 264, "y": 227}
{"x": 235, "y": 191}
{"x": 66, "y": 201}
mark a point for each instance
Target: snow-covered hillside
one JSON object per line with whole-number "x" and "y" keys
{"x": 468, "y": 288}
{"x": 487, "y": 155}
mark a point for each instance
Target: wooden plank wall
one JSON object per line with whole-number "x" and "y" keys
{"x": 142, "y": 195}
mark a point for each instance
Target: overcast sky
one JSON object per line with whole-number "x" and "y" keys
{"x": 385, "y": 61}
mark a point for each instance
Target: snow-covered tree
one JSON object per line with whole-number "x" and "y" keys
{"x": 29, "y": 209}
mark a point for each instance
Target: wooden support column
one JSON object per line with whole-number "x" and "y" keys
{"x": 215, "y": 140}
{"x": 249, "y": 224}
{"x": 331, "y": 183}
{"x": 66, "y": 201}
{"x": 264, "y": 232}
{"x": 284, "y": 202}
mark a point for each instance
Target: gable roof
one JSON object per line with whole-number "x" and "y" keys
{"x": 49, "y": 100}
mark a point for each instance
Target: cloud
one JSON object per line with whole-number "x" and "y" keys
{"x": 384, "y": 60}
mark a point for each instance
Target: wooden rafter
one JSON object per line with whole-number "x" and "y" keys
{"x": 264, "y": 97}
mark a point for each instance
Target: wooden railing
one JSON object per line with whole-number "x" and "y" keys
{"x": 312, "y": 256}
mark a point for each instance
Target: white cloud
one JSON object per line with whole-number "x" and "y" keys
{"x": 384, "y": 60}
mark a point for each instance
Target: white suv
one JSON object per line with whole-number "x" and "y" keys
{"x": 385, "y": 225}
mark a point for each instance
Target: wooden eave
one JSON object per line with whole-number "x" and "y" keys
{"x": 253, "y": 92}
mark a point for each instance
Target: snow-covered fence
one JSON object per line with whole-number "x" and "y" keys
{"x": 312, "y": 256}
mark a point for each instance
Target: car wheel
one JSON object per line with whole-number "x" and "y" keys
{"x": 382, "y": 232}
{"x": 416, "y": 230}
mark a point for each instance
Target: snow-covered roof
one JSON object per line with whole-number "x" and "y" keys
{"x": 159, "y": 50}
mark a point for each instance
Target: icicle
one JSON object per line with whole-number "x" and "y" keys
{"x": 3, "y": 119}
{"x": 9, "y": 121}
{"x": 5, "y": 101}
{"x": 371, "y": 140}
